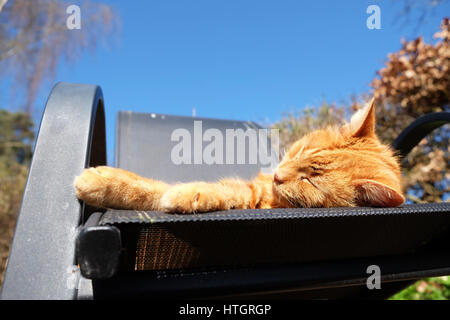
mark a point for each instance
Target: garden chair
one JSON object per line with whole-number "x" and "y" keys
{"x": 63, "y": 249}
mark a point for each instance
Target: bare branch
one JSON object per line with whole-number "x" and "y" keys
{"x": 2, "y": 4}
{"x": 34, "y": 38}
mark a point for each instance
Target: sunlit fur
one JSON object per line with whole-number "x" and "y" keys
{"x": 331, "y": 167}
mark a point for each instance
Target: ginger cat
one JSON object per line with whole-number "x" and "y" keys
{"x": 331, "y": 167}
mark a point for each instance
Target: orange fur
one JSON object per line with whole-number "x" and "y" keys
{"x": 331, "y": 167}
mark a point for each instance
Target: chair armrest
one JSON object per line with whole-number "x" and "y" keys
{"x": 418, "y": 130}
{"x": 71, "y": 137}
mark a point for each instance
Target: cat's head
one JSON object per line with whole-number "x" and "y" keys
{"x": 346, "y": 166}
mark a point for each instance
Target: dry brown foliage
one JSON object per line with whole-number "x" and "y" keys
{"x": 418, "y": 76}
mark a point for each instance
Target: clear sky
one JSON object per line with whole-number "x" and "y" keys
{"x": 241, "y": 59}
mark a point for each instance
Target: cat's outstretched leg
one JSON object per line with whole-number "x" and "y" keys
{"x": 109, "y": 187}
{"x": 227, "y": 194}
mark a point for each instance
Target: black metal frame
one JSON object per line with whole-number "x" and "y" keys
{"x": 296, "y": 280}
{"x": 330, "y": 261}
{"x": 42, "y": 261}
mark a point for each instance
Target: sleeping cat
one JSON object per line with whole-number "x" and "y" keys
{"x": 331, "y": 167}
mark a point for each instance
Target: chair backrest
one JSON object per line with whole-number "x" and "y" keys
{"x": 153, "y": 145}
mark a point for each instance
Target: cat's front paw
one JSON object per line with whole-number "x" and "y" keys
{"x": 92, "y": 185}
{"x": 191, "y": 198}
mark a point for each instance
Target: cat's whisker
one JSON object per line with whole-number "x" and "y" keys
{"x": 301, "y": 150}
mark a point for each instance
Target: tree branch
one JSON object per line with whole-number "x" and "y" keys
{"x": 414, "y": 198}
{"x": 2, "y": 4}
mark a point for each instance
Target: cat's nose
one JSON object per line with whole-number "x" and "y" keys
{"x": 277, "y": 179}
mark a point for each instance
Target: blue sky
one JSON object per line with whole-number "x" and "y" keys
{"x": 240, "y": 59}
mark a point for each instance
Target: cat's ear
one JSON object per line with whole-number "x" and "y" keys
{"x": 362, "y": 123}
{"x": 376, "y": 194}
